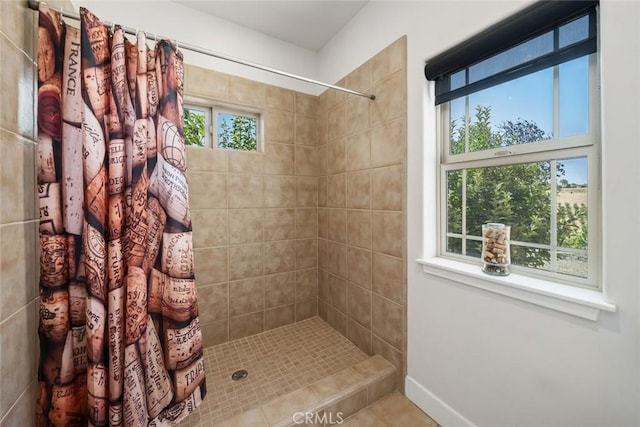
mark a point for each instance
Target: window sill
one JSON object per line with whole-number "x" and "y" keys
{"x": 578, "y": 302}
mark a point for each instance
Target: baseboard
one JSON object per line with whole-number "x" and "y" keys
{"x": 444, "y": 414}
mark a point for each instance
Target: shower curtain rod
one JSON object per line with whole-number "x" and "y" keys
{"x": 34, "y": 4}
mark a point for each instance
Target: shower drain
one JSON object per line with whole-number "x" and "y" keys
{"x": 239, "y": 375}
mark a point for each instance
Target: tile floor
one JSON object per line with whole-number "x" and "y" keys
{"x": 278, "y": 361}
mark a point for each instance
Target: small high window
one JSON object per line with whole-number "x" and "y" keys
{"x": 222, "y": 127}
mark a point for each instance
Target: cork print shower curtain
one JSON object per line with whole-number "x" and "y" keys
{"x": 120, "y": 336}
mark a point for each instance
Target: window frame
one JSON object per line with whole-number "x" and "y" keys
{"x": 212, "y": 108}
{"x": 584, "y": 145}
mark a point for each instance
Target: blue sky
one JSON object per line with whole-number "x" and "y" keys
{"x": 531, "y": 98}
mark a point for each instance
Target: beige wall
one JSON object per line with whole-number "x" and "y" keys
{"x": 255, "y": 213}
{"x": 362, "y": 207}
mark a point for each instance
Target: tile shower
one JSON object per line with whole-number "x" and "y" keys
{"x": 314, "y": 226}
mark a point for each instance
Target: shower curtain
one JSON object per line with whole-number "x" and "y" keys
{"x": 120, "y": 337}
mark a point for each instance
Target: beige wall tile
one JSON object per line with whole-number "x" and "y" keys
{"x": 306, "y": 284}
{"x": 386, "y": 320}
{"x": 17, "y": 179}
{"x": 359, "y": 335}
{"x": 205, "y": 83}
{"x": 337, "y": 293}
{"x": 338, "y": 225}
{"x": 306, "y": 309}
{"x": 17, "y": 84}
{"x": 337, "y": 320}
{"x": 22, "y": 413}
{"x": 17, "y": 22}
{"x": 323, "y": 223}
{"x": 246, "y": 296}
{"x": 278, "y": 159}
{"x": 359, "y": 266}
{"x": 306, "y": 222}
{"x": 336, "y": 191}
{"x": 207, "y": 159}
{"x": 323, "y": 156}
{"x": 213, "y": 302}
{"x": 389, "y": 60}
{"x": 307, "y": 161}
{"x": 388, "y": 144}
{"x": 336, "y": 123}
{"x": 387, "y": 229}
{"x": 306, "y": 104}
{"x": 381, "y": 388}
{"x": 210, "y": 265}
{"x": 392, "y": 355}
{"x": 390, "y": 100}
{"x": 245, "y": 325}
{"x": 306, "y": 253}
{"x": 359, "y": 305}
{"x": 359, "y": 79}
{"x": 245, "y": 261}
{"x": 323, "y": 283}
{"x": 216, "y": 332}
{"x": 337, "y": 258}
{"x": 323, "y": 257}
{"x": 246, "y": 162}
{"x": 19, "y": 266}
{"x": 279, "y": 256}
{"x": 359, "y": 190}
{"x": 207, "y": 190}
{"x": 346, "y": 407}
{"x": 279, "y": 289}
{"x": 18, "y": 360}
{"x": 277, "y": 97}
{"x": 323, "y": 307}
{"x": 279, "y": 191}
{"x": 279, "y": 224}
{"x": 358, "y": 151}
{"x": 279, "y": 316}
{"x": 359, "y": 228}
{"x": 306, "y": 130}
{"x": 387, "y": 277}
{"x": 335, "y": 97}
{"x": 245, "y": 225}
{"x": 279, "y": 125}
{"x": 336, "y": 156}
{"x": 387, "y": 188}
{"x": 322, "y": 192}
{"x": 307, "y": 192}
{"x": 246, "y": 92}
{"x": 245, "y": 191}
{"x": 210, "y": 227}
{"x": 357, "y": 115}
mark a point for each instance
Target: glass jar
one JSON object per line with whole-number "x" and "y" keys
{"x": 496, "y": 254}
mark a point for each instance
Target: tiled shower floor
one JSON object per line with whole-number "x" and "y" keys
{"x": 279, "y": 361}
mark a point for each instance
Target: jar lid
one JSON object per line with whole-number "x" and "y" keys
{"x": 495, "y": 225}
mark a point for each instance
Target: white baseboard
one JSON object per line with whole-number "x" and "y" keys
{"x": 442, "y": 413}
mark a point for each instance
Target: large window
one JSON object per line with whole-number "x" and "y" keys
{"x": 519, "y": 132}
{"x": 222, "y": 127}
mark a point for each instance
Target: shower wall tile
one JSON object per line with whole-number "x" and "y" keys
{"x": 306, "y": 130}
{"x": 210, "y": 227}
{"x": 245, "y": 226}
{"x": 216, "y": 332}
{"x": 279, "y": 289}
{"x": 213, "y": 302}
{"x": 246, "y": 261}
{"x": 323, "y": 158}
{"x": 278, "y": 97}
{"x": 279, "y": 256}
{"x": 307, "y": 161}
{"x": 245, "y": 191}
{"x": 246, "y": 296}
{"x": 306, "y": 253}
{"x": 279, "y": 125}
{"x": 306, "y": 284}
{"x": 17, "y": 178}
{"x": 205, "y": 83}
{"x": 22, "y": 412}
{"x": 306, "y": 309}
{"x": 306, "y": 104}
{"x": 307, "y": 192}
{"x": 366, "y": 178}
{"x": 358, "y": 151}
{"x": 246, "y": 162}
{"x": 245, "y": 325}
{"x": 207, "y": 190}
{"x": 211, "y": 265}
{"x": 246, "y": 92}
{"x": 18, "y": 21}
{"x": 279, "y": 224}
{"x": 279, "y": 191}
{"x": 306, "y": 222}
{"x": 17, "y": 83}
{"x": 279, "y": 316}
{"x": 278, "y": 159}
{"x": 205, "y": 159}
{"x": 14, "y": 268}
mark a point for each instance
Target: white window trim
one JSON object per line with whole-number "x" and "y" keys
{"x": 580, "y": 302}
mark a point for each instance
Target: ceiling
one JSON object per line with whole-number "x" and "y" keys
{"x": 305, "y": 23}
